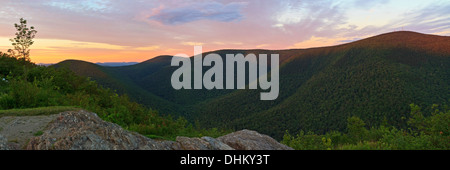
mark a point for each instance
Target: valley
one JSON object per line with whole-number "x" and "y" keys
{"x": 375, "y": 79}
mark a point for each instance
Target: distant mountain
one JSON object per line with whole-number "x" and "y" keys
{"x": 116, "y": 64}
{"x": 106, "y": 64}
{"x": 374, "y": 78}
{"x": 45, "y": 64}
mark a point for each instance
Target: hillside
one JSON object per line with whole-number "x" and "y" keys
{"x": 121, "y": 80}
{"x": 27, "y": 89}
{"x": 375, "y": 79}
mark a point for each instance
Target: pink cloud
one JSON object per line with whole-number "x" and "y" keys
{"x": 218, "y": 24}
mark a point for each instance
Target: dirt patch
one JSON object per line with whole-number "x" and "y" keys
{"x": 18, "y": 130}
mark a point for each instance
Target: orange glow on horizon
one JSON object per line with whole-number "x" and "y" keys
{"x": 135, "y": 31}
{"x": 50, "y": 51}
{"x": 54, "y": 51}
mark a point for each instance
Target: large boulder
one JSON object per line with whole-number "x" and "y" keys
{"x": 82, "y": 130}
{"x": 251, "y": 140}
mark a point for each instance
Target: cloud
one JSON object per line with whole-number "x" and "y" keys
{"x": 192, "y": 43}
{"x": 66, "y": 44}
{"x": 148, "y": 48}
{"x": 158, "y": 27}
{"x": 310, "y": 17}
{"x": 81, "y": 5}
{"x": 317, "y": 42}
{"x": 262, "y": 45}
{"x": 226, "y": 43}
{"x": 369, "y": 4}
{"x": 349, "y": 40}
{"x": 214, "y": 11}
{"x": 431, "y": 19}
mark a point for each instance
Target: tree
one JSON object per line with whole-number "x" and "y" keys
{"x": 356, "y": 129}
{"x": 417, "y": 120}
{"x": 23, "y": 40}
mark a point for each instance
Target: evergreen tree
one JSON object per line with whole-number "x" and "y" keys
{"x": 356, "y": 129}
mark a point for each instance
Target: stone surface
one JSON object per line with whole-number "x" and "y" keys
{"x": 204, "y": 143}
{"x": 192, "y": 143}
{"x": 3, "y": 143}
{"x": 83, "y": 130}
{"x": 251, "y": 140}
{"x": 216, "y": 144}
{"x": 19, "y": 129}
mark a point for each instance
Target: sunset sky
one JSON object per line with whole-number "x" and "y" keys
{"x": 137, "y": 30}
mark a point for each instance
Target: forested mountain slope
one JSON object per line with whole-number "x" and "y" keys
{"x": 375, "y": 79}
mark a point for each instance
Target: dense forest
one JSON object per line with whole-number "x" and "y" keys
{"x": 26, "y": 85}
{"x": 422, "y": 133}
{"x": 375, "y": 79}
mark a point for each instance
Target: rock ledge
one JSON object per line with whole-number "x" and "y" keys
{"x": 83, "y": 130}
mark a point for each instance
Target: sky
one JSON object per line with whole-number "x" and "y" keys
{"x": 137, "y": 30}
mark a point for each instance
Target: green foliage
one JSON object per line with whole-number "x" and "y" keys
{"x": 27, "y": 85}
{"x": 307, "y": 141}
{"x": 23, "y": 40}
{"x": 356, "y": 129}
{"x": 417, "y": 120}
{"x": 438, "y": 123}
{"x": 319, "y": 88}
{"x": 37, "y": 111}
{"x": 38, "y": 133}
{"x": 26, "y": 94}
{"x": 432, "y": 135}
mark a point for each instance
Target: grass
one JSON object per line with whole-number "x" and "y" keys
{"x": 37, "y": 111}
{"x": 38, "y": 133}
{"x": 13, "y": 141}
{"x": 159, "y": 137}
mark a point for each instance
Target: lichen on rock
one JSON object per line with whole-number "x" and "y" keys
{"x": 83, "y": 130}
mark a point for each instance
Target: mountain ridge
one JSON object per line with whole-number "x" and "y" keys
{"x": 386, "y": 37}
{"x": 373, "y": 78}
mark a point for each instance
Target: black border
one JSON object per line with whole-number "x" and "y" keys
{"x": 277, "y": 159}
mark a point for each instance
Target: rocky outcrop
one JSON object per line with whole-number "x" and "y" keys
{"x": 204, "y": 143}
{"x": 82, "y": 130}
{"x": 251, "y": 140}
{"x": 19, "y": 129}
{"x": 3, "y": 143}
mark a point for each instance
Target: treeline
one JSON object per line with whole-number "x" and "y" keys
{"x": 423, "y": 133}
{"x": 26, "y": 85}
